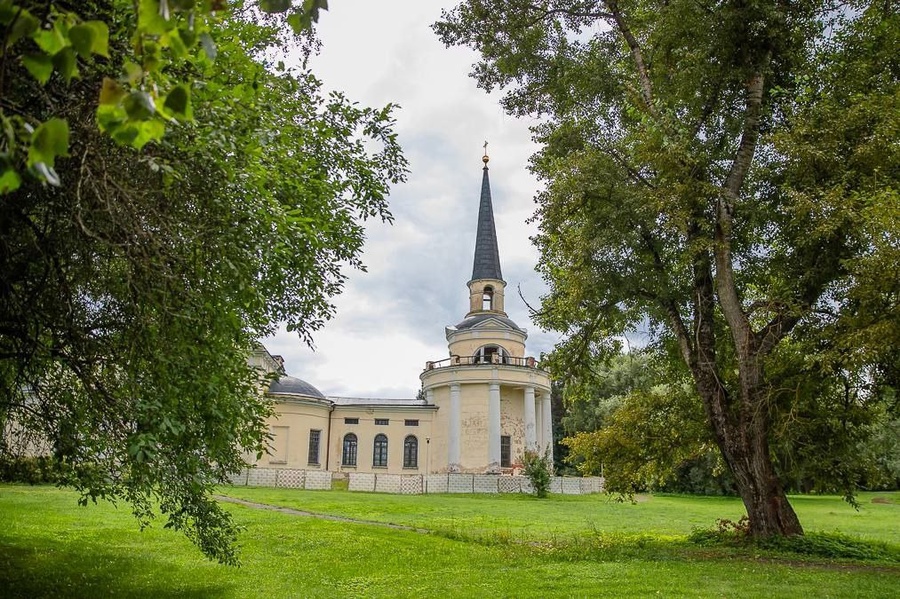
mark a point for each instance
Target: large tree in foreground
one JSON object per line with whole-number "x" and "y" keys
{"x": 726, "y": 171}
{"x": 133, "y": 290}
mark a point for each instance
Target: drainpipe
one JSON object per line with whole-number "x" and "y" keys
{"x": 328, "y": 439}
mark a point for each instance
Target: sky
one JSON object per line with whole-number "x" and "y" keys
{"x": 391, "y": 319}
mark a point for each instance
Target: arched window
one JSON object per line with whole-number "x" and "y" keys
{"x": 379, "y": 455}
{"x": 411, "y": 452}
{"x": 486, "y": 353}
{"x": 487, "y": 298}
{"x": 348, "y": 457}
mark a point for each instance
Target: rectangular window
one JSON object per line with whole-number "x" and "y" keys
{"x": 379, "y": 456}
{"x": 411, "y": 422}
{"x": 505, "y": 451}
{"x": 314, "y": 437}
{"x": 382, "y": 421}
{"x": 348, "y": 455}
{"x": 279, "y": 447}
{"x": 351, "y": 420}
{"x": 411, "y": 452}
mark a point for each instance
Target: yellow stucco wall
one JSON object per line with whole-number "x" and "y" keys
{"x": 290, "y": 428}
{"x": 396, "y": 430}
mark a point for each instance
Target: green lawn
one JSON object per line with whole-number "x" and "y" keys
{"x": 507, "y": 546}
{"x": 565, "y": 515}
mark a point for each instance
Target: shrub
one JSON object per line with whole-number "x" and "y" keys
{"x": 33, "y": 470}
{"x": 538, "y": 470}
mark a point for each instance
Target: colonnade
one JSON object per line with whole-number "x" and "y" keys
{"x": 538, "y": 425}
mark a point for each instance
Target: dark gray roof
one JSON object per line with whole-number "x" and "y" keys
{"x": 479, "y": 318}
{"x": 294, "y": 386}
{"x": 487, "y": 256}
{"x": 378, "y": 401}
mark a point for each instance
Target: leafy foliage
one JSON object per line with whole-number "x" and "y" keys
{"x": 135, "y": 107}
{"x": 705, "y": 177}
{"x": 133, "y": 293}
{"x": 538, "y": 469}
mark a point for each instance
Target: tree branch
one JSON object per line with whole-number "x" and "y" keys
{"x": 636, "y": 54}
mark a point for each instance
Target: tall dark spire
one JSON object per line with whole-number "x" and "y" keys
{"x": 487, "y": 256}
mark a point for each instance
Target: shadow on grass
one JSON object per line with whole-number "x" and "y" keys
{"x": 91, "y": 571}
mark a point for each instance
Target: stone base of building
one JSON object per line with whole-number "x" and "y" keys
{"x": 412, "y": 484}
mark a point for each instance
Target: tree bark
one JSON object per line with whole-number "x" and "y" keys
{"x": 739, "y": 421}
{"x": 741, "y": 434}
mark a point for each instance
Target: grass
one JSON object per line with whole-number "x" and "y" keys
{"x": 522, "y": 516}
{"x": 504, "y": 546}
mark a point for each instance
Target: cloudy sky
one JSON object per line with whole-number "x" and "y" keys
{"x": 391, "y": 319}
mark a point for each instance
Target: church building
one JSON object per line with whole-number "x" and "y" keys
{"x": 480, "y": 408}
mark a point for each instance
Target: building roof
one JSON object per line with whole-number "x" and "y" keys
{"x": 477, "y": 319}
{"x": 487, "y": 257}
{"x": 289, "y": 385}
{"x": 378, "y": 401}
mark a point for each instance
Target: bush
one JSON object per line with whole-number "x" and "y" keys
{"x": 538, "y": 470}
{"x": 33, "y": 470}
{"x": 813, "y": 544}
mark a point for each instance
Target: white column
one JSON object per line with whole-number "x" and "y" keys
{"x": 494, "y": 428}
{"x": 454, "y": 426}
{"x": 530, "y": 430}
{"x": 539, "y": 424}
{"x": 429, "y": 398}
{"x": 547, "y": 425}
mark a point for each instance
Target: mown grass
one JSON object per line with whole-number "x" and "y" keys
{"x": 523, "y": 516}
{"x": 489, "y": 547}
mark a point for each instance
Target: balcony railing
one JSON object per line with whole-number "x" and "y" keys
{"x": 491, "y": 360}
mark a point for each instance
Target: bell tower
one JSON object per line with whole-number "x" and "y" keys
{"x": 486, "y": 288}
{"x": 493, "y": 399}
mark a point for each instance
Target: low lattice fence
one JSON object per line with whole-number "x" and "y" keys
{"x": 412, "y": 484}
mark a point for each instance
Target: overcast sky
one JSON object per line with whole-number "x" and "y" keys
{"x": 391, "y": 319}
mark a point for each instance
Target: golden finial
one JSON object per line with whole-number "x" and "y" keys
{"x": 485, "y": 158}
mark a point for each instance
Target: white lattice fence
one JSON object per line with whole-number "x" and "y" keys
{"x": 290, "y": 478}
{"x": 510, "y": 484}
{"x": 411, "y": 484}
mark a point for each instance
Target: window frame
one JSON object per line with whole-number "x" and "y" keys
{"x": 506, "y": 444}
{"x": 411, "y": 452}
{"x": 315, "y": 441}
{"x": 350, "y": 450}
{"x": 380, "y": 451}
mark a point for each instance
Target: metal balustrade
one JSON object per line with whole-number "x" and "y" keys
{"x": 491, "y": 360}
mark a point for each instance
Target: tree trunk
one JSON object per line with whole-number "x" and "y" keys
{"x": 741, "y": 434}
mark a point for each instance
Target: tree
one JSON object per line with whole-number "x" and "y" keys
{"x": 132, "y": 293}
{"x": 724, "y": 172}
{"x": 135, "y": 107}
{"x": 593, "y": 397}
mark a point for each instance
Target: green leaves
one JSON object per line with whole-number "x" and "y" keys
{"x": 178, "y": 102}
{"x": 58, "y": 48}
{"x": 39, "y": 65}
{"x": 50, "y": 139}
{"x": 90, "y": 37}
